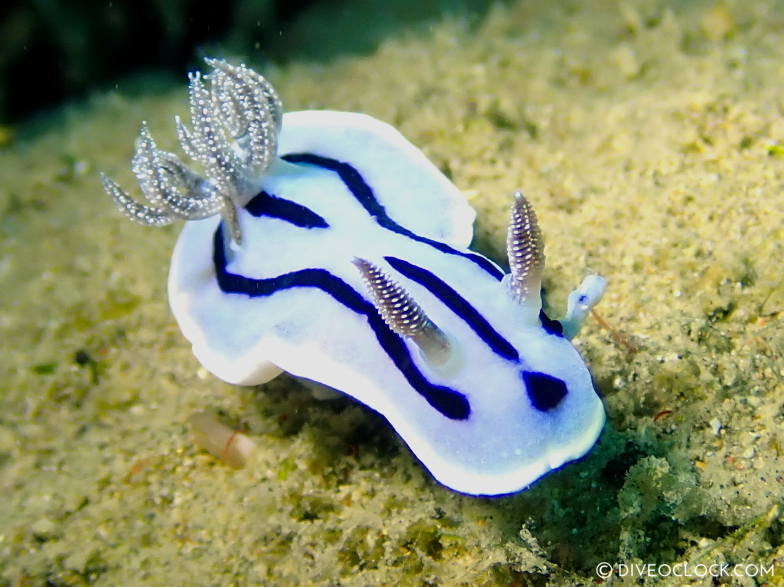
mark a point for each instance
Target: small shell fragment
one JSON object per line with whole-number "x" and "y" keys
{"x": 229, "y": 445}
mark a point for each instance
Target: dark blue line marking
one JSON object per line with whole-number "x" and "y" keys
{"x": 550, "y": 326}
{"x": 447, "y": 401}
{"x": 357, "y": 185}
{"x": 544, "y": 391}
{"x": 265, "y": 204}
{"x": 459, "y": 305}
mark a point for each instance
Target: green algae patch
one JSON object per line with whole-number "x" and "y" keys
{"x": 647, "y": 137}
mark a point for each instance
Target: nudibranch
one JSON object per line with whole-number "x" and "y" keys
{"x": 326, "y": 245}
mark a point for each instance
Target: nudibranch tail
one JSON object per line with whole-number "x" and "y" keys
{"x": 525, "y": 250}
{"x": 235, "y": 124}
{"x": 403, "y": 315}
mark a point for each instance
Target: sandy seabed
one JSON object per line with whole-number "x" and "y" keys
{"x": 650, "y": 138}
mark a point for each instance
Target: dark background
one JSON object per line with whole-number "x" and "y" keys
{"x": 56, "y": 50}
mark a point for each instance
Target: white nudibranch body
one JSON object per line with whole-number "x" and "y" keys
{"x": 326, "y": 245}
